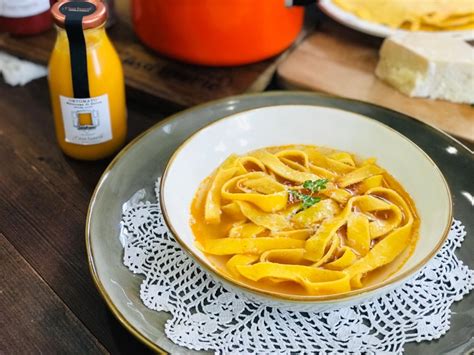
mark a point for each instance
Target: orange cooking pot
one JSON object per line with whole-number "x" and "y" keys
{"x": 217, "y": 32}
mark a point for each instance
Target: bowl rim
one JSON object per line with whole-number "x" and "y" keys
{"x": 346, "y": 296}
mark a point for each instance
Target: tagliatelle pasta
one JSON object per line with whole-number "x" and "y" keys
{"x": 304, "y": 220}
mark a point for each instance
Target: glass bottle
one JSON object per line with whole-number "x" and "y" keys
{"x": 86, "y": 82}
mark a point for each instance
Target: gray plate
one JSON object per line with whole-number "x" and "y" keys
{"x": 143, "y": 160}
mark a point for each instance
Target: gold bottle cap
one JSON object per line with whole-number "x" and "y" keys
{"x": 95, "y": 12}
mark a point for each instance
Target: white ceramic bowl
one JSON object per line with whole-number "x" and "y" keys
{"x": 282, "y": 125}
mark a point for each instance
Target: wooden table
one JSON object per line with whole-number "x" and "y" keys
{"x": 47, "y": 299}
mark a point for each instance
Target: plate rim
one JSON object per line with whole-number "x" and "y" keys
{"x": 278, "y": 93}
{"x": 354, "y": 22}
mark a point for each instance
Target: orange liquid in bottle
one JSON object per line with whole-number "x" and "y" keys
{"x": 105, "y": 76}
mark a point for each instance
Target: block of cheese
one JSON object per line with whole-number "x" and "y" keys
{"x": 428, "y": 65}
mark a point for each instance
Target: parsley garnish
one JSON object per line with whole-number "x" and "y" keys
{"x": 315, "y": 185}
{"x": 307, "y": 200}
{"x": 312, "y": 185}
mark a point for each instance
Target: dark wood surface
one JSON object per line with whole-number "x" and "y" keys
{"x": 47, "y": 298}
{"x": 157, "y": 76}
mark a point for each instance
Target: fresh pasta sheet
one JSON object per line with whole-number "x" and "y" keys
{"x": 414, "y": 15}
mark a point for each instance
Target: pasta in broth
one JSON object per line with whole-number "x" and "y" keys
{"x": 304, "y": 220}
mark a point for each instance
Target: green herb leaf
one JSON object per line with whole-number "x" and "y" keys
{"x": 315, "y": 185}
{"x": 312, "y": 185}
{"x": 297, "y": 195}
{"x": 307, "y": 200}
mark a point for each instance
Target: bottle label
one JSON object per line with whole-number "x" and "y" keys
{"x": 23, "y": 8}
{"x": 86, "y": 121}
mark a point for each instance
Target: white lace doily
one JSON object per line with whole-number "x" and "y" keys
{"x": 205, "y": 316}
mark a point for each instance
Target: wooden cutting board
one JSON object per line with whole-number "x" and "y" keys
{"x": 340, "y": 61}
{"x": 149, "y": 75}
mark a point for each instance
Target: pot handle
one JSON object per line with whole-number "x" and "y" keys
{"x": 289, "y": 3}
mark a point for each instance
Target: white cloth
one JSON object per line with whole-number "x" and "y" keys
{"x": 205, "y": 316}
{"x": 19, "y": 72}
